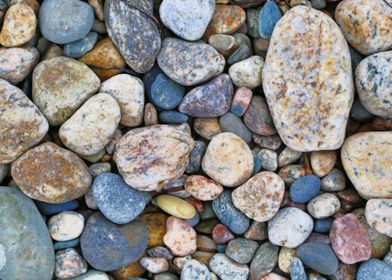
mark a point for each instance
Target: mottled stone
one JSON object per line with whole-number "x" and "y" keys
{"x": 180, "y": 237}
{"x": 194, "y": 270}
{"x": 322, "y": 162}
{"x": 288, "y": 156}
{"x": 258, "y": 118}
{"x": 226, "y": 269}
{"x": 241, "y": 250}
{"x": 310, "y": 110}
{"x": 202, "y": 188}
{"x": 285, "y": 258}
{"x": 128, "y": 272}
{"x": 97, "y": 6}
{"x": 207, "y": 127}
{"x": 224, "y": 44}
{"x": 297, "y": 270}
{"x": 264, "y": 261}
{"x": 82, "y": 46}
{"x": 231, "y": 123}
{"x": 156, "y": 226}
{"x": 247, "y": 73}
{"x": 66, "y": 226}
{"x": 69, "y": 264}
{"x": 270, "y": 142}
{"x": 292, "y": 172}
{"x": 175, "y": 206}
{"x": 323, "y": 206}
{"x": 345, "y": 272}
{"x": 226, "y": 20}
{"x": 378, "y": 214}
{"x": 241, "y": 101}
{"x": 334, "y": 181}
{"x": 221, "y": 234}
{"x": 3, "y": 171}
{"x": 273, "y": 276}
{"x": 305, "y": 188}
{"x": 154, "y": 265}
{"x": 196, "y": 157}
{"x": 257, "y": 231}
{"x": 268, "y": 17}
{"x": 374, "y": 269}
{"x": 269, "y": 159}
{"x": 243, "y": 52}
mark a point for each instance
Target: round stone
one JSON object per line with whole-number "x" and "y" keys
{"x": 231, "y": 123}
{"x": 334, "y": 181}
{"x": 226, "y": 20}
{"x": 207, "y": 127}
{"x": 82, "y": 46}
{"x": 221, "y": 160}
{"x": 305, "y": 188}
{"x": 62, "y": 173}
{"x": 154, "y": 265}
{"x": 288, "y": 156}
{"x": 221, "y": 234}
{"x": 194, "y": 270}
{"x": 69, "y": 264}
{"x": 322, "y": 162}
{"x": 241, "y": 250}
{"x": 258, "y": 118}
{"x": 374, "y": 269}
{"x": 66, "y": 226}
{"x": 202, "y": 188}
{"x": 378, "y": 214}
{"x": 165, "y": 93}
{"x": 224, "y": 44}
{"x": 175, "y": 206}
{"x": 227, "y": 269}
{"x": 247, "y": 73}
{"x": 264, "y": 261}
{"x": 180, "y": 237}
{"x": 269, "y": 159}
{"x": 323, "y": 206}
{"x": 268, "y": 17}
{"x": 297, "y": 270}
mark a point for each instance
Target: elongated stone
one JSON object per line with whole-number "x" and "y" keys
{"x": 175, "y": 206}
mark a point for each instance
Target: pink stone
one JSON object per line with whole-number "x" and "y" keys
{"x": 258, "y": 117}
{"x": 69, "y": 264}
{"x": 349, "y": 239}
{"x": 202, "y": 188}
{"x": 221, "y": 234}
{"x": 180, "y": 237}
{"x": 241, "y": 101}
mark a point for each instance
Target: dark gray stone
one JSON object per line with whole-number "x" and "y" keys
{"x": 318, "y": 256}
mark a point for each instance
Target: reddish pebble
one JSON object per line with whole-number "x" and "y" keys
{"x": 180, "y": 237}
{"x": 221, "y": 234}
{"x": 381, "y": 124}
{"x": 241, "y": 101}
{"x": 202, "y": 188}
{"x": 197, "y": 203}
{"x": 258, "y": 117}
{"x": 150, "y": 115}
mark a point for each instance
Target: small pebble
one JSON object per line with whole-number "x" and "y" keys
{"x": 322, "y": 162}
{"x": 258, "y": 118}
{"x": 334, "y": 181}
{"x": 247, "y": 73}
{"x": 374, "y": 269}
{"x": 180, "y": 237}
{"x": 154, "y": 265}
{"x": 66, "y": 226}
{"x": 227, "y": 269}
{"x": 323, "y": 206}
{"x": 269, "y": 159}
{"x": 231, "y": 123}
{"x": 305, "y": 188}
{"x": 268, "y": 17}
{"x": 285, "y": 258}
{"x": 378, "y": 214}
{"x": 165, "y": 93}
{"x": 241, "y": 250}
{"x": 221, "y": 234}
{"x": 175, "y": 206}
{"x": 265, "y": 259}
{"x": 241, "y": 101}
{"x": 319, "y": 257}
{"x": 297, "y": 270}
{"x": 202, "y": 188}
{"x": 69, "y": 264}
{"x": 195, "y": 270}
{"x": 82, "y": 46}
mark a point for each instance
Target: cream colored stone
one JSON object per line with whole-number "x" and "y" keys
{"x": 378, "y": 213}
{"x": 286, "y": 256}
{"x": 247, "y": 72}
{"x": 180, "y": 237}
{"x": 323, "y": 206}
{"x": 66, "y": 226}
{"x": 322, "y": 162}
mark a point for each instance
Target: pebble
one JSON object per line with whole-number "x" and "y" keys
{"x": 241, "y": 250}
{"x": 290, "y": 227}
{"x": 288, "y": 156}
{"x": 202, "y": 188}
{"x": 93, "y": 275}
{"x": 334, "y": 181}
{"x": 196, "y": 157}
{"x": 135, "y": 33}
{"x": 128, "y": 272}
{"x": 49, "y": 209}
{"x": 3, "y": 171}
{"x": 82, "y": 46}
{"x": 268, "y": 18}
{"x": 323, "y": 225}
{"x": 107, "y": 246}
{"x": 98, "y": 7}
{"x": 150, "y": 157}
{"x": 194, "y": 270}
{"x": 165, "y": 93}
{"x": 207, "y": 127}
{"x": 154, "y": 265}
{"x": 295, "y": 104}
{"x": 64, "y": 22}
{"x": 270, "y": 142}
{"x": 221, "y": 234}
{"x": 378, "y": 214}
{"x": 305, "y": 188}
{"x": 365, "y": 157}
{"x": 285, "y": 258}
{"x": 297, "y": 270}
{"x": 265, "y": 259}
{"x": 359, "y": 113}
{"x": 209, "y": 100}
{"x": 273, "y": 276}
{"x": 374, "y": 269}
{"x": 226, "y": 20}
{"x": 61, "y": 245}
{"x": 260, "y": 197}
{"x": 241, "y": 53}
{"x": 60, "y": 86}
{"x": 22, "y": 126}
{"x": 322, "y": 162}
{"x": 257, "y": 231}
{"x": 319, "y": 257}
{"x": 175, "y": 206}
{"x": 187, "y": 19}
{"x": 160, "y": 252}
{"x": 241, "y": 101}
{"x": 180, "y": 237}
{"x": 323, "y": 206}
{"x": 292, "y": 172}
{"x": 172, "y": 117}
{"x": 227, "y": 269}
{"x": 247, "y": 73}
{"x": 117, "y": 201}
{"x": 252, "y": 16}
{"x": 258, "y": 118}
{"x": 224, "y": 44}
{"x": 231, "y": 123}
{"x": 97, "y": 169}
{"x": 269, "y": 159}
{"x": 150, "y": 115}
{"x": 66, "y": 226}
{"x": 156, "y": 226}
{"x": 69, "y": 264}
{"x": 91, "y": 127}
{"x": 189, "y": 63}
{"x": 128, "y": 91}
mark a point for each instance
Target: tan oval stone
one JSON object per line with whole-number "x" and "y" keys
{"x": 180, "y": 237}
{"x": 228, "y": 160}
{"x": 378, "y": 213}
{"x": 150, "y": 157}
{"x": 366, "y": 158}
{"x": 22, "y": 125}
{"x": 51, "y": 174}
{"x": 202, "y": 188}
{"x": 322, "y": 162}
{"x": 323, "y": 206}
{"x": 91, "y": 127}
{"x": 260, "y": 197}
{"x": 60, "y": 86}
{"x": 286, "y": 256}
{"x": 307, "y": 80}
{"x": 207, "y": 127}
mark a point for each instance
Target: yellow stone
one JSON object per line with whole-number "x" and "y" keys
{"x": 132, "y": 270}
{"x": 176, "y": 206}
{"x": 156, "y": 226}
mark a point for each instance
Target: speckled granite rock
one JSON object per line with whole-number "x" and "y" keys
{"x": 64, "y": 175}
{"x": 154, "y": 265}
{"x": 378, "y": 213}
{"x": 194, "y": 270}
{"x": 247, "y": 72}
{"x": 323, "y": 205}
{"x": 69, "y": 264}
{"x": 367, "y": 25}
{"x": 66, "y": 225}
{"x": 60, "y": 86}
{"x": 366, "y": 160}
{"x": 264, "y": 261}
{"x": 310, "y": 104}
{"x": 207, "y": 127}
{"x": 374, "y": 269}
{"x": 150, "y": 157}
{"x": 22, "y": 125}
{"x": 133, "y": 29}
{"x": 189, "y": 63}
{"x": 202, "y": 188}
{"x": 227, "y": 269}
{"x": 373, "y": 79}
{"x": 322, "y": 162}
{"x": 180, "y": 237}
{"x": 241, "y": 250}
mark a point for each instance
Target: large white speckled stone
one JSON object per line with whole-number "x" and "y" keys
{"x": 307, "y": 80}
{"x": 323, "y": 205}
{"x": 378, "y": 213}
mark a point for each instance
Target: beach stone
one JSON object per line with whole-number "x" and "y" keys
{"x": 61, "y": 245}
{"x": 131, "y": 26}
{"x": 305, "y": 188}
{"x": 273, "y": 276}
{"x": 150, "y": 115}
{"x": 315, "y": 237}
{"x": 226, "y": 20}
{"x": 154, "y": 265}
{"x": 258, "y": 118}
{"x": 49, "y": 209}
{"x": 224, "y": 44}
{"x": 207, "y": 127}
{"x": 269, "y": 159}
{"x": 66, "y": 226}
{"x": 252, "y": 22}
{"x": 156, "y": 226}
{"x": 97, "y": 6}
{"x": 160, "y": 252}
{"x": 209, "y": 100}
{"x": 345, "y": 272}
{"x": 367, "y": 164}
{"x": 128, "y": 272}
{"x": 196, "y": 157}
{"x": 117, "y": 201}
{"x": 247, "y": 73}
{"x": 82, "y": 46}
{"x": 288, "y": 156}
{"x": 179, "y": 262}
{"x": 359, "y": 113}
{"x": 221, "y": 160}
{"x": 373, "y": 79}
{"x": 268, "y": 17}
{"x": 260, "y": 197}
{"x": 202, "y": 188}
{"x": 231, "y": 123}
{"x": 323, "y": 206}
{"x": 366, "y": 25}
{"x": 243, "y": 52}
{"x": 319, "y": 257}
{"x": 229, "y": 215}
{"x": 129, "y": 94}
{"x": 189, "y": 63}
{"x": 374, "y": 269}
{"x": 165, "y": 93}
{"x": 323, "y": 225}
{"x": 270, "y": 142}
{"x": 295, "y": 103}
{"x": 378, "y": 214}
{"x": 264, "y": 261}
{"x": 64, "y": 175}
{"x": 25, "y": 246}
{"x": 194, "y": 270}
{"x": 322, "y": 162}
{"x": 22, "y": 126}
{"x": 349, "y": 239}
{"x": 60, "y": 86}
{"x": 91, "y": 127}
{"x": 173, "y": 117}
{"x": 334, "y": 181}
{"x": 241, "y": 250}
{"x": 175, "y": 206}
{"x": 285, "y": 258}
{"x": 52, "y": 51}
{"x": 388, "y": 258}
{"x": 98, "y": 168}
{"x": 69, "y": 264}
{"x": 290, "y": 227}
{"x": 227, "y": 269}
{"x": 17, "y": 63}
{"x": 180, "y": 237}
{"x": 64, "y": 22}
{"x": 186, "y": 18}
{"x": 107, "y": 246}
{"x": 241, "y": 101}
{"x": 257, "y": 231}
{"x": 150, "y": 157}
{"x": 3, "y": 171}
{"x": 297, "y": 270}
{"x": 221, "y": 234}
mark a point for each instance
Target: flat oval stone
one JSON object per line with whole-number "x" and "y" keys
{"x": 378, "y": 214}
{"x": 228, "y": 160}
{"x": 226, "y": 20}
{"x": 165, "y": 93}
{"x": 22, "y": 125}
{"x": 264, "y": 261}
{"x": 247, "y": 72}
{"x": 26, "y": 249}
{"x": 207, "y": 127}
{"x": 69, "y": 264}
{"x": 231, "y": 123}
{"x": 91, "y": 127}
{"x": 349, "y": 239}
{"x": 175, "y": 206}
{"x": 260, "y": 197}
{"x": 224, "y": 44}
{"x": 148, "y": 158}
{"x": 17, "y": 63}
{"x": 60, "y": 86}
{"x": 51, "y": 174}
{"x": 318, "y": 256}
{"x": 366, "y": 160}
{"x": 64, "y": 22}
{"x": 268, "y": 17}
{"x": 373, "y": 79}
{"x": 241, "y": 101}
{"x": 202, "y": 188}
{"x": 186, "y": 18}
{"x": 131, "y": 26}
{"x": 107, "y": 246}
{"x": 290, "y": 227}
{"x": 194, "y": 270}
{"x": 323, "y": 205}
{"x": 117, "y": 201}
{"x": 82, "y": 46}
{"x": 305, "y": 188}
{"x": 322, "y": 162}
{"x": 374, "y": 269}
{"x": 189, "y": 63}
{"x": 210, "y": 100}
{"x": 173, "y": 117}
{"x": 227, "y": 269}
{"x": 258, "y": 118}
{"x": 66, "y": 226}
{"x": 180, "y": 237}
{"x": 367, "y": 25}
{"x": 309, "y": 109}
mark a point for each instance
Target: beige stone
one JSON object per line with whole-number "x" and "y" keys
{"x": 180, "y": 237}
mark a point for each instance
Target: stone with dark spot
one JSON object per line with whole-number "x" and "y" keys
{"x": 241, "y": 101}
{"x": 227, "y": 269}
{"x": 318, "y": 256}
{"x": 194, "y": 270}
{"x": 258, "y": 118}
{"x": 264, "y": 261}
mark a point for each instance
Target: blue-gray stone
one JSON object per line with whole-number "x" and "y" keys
{"x": 374, "y": 269}
{"x": 230, "y": 216}
{"x": 194, "y": 221}
{"x": 318, "y": 4}
{"x": 80, "y": 47}
{"x": 264, "y": 261}
{"x": 297, "y": 270}
{"x": 323, "y": 225}
{"x": 107, "y": 246}
{"x": 165, "y": 93}
{"x": 318, "y": 256}
{"x": 196, "y": 157}
{"x": 242, "y": 52}
{"x": 208, "y": 212}
{"x": 60, "y": 245}
{"x": 268, "y": 17}
{"x": 49, "y": 209}
{"x": 26, "y": 249}
{"x": 252, "y": 22}
{"x": 64, "y": 22}
{"x": 256, "y": 162}
{"x": 305, "y": 188}
{"x": 173, "y": 117}
{"x": 231, "y": 123}
{"x": 356, "y": 58}
{"x": 221, "y": 248}
{"x": 359, "y": 113}
{"x": 241, "y": 250}
{"x": 117, "y": 201}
